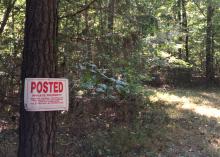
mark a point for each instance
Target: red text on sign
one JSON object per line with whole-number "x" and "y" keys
{"x": 46, "y": 87}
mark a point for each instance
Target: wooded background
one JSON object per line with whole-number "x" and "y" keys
{"x": 111, "y": 49}
{"x": 126, "y": 40}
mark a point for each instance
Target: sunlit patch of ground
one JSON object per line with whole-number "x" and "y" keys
{"x": 194, "y": 127}
{"x": 203, "y": 103}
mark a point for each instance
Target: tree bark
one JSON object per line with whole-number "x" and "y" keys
{"x": 87, "y": 35}
{"x": 37, "y": 129}
{"x": 111, "y": 12}
{"x": 185, "y": 30}
{"x": 209, "y": 44}
{"x": 110, "y": 20}
{"x": 179, "y": 6}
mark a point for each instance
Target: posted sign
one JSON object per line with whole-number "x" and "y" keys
{"x": 46, "y": 94}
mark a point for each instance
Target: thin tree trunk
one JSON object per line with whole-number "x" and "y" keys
{"x": 6, "y": 15}
{"x": 87, "y": 35}
{"x": 209, "y": 54}
{"x": 37, "y": 129}
{"x": 185, "y": 30}
{"x": 111, "y": 12}
{"x": 179, "y": 2}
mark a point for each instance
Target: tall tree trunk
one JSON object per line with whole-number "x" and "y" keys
{"x": 87, "y": 35}
{"x": 179, "y": 14}
{"x": 209, "y": 51}
{"x": 111, "y": 12}
{"x": 37, "y": 129}
{"x": 101, "y": 18}
{"x": 185, "y": 30}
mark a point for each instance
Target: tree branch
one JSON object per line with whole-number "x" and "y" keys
{"x": 79, "y": 11}
{"x": 199, "y": 8}
{"x": 6, "y": 15}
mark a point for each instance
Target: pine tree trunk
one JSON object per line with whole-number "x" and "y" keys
{"x": 37, "y": 129}
{"x": 179, "y": 6}
{"x": 88, "y": 51}
{"x": 209, "y": 54}
{"x": 111, "y": 12}
{"x": 185, "y": 30}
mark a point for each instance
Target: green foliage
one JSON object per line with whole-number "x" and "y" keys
{"x": 147, "y": 24}
{"x": 178, "y": 63}
{"x": 97, "y": 82}
{"x": 125, "y": 82}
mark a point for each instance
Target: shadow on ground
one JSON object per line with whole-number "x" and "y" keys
{"x": 168, "y": 124}
{"x": 194, "y": 121}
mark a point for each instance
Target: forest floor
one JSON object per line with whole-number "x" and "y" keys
{"x": 193, "y": 126}
{"x": 174, "y": 123}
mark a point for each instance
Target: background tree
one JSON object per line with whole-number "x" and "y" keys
{"x": 209, "y": 43}
{"x": 185, "y": 30}
{"x": 8, "y": 10}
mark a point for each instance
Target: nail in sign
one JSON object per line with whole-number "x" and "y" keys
{"x": 46, "y": 94}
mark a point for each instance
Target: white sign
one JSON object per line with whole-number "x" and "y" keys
{"x": 46, "y": 94}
